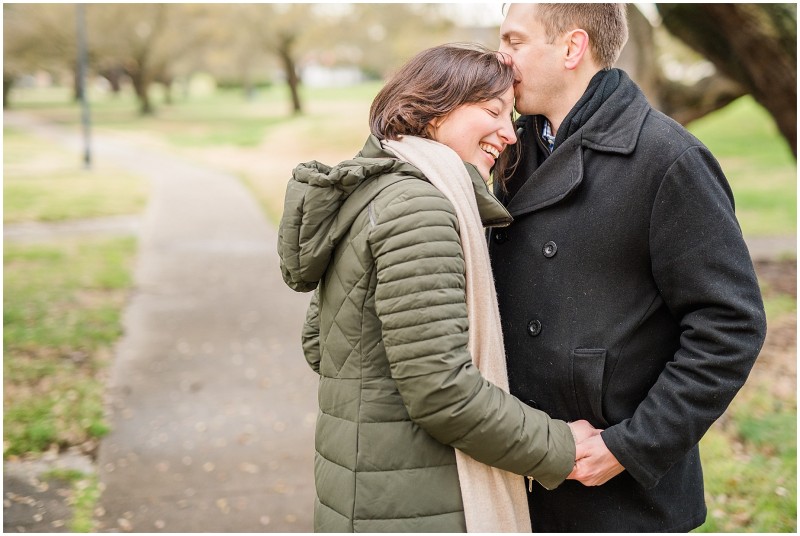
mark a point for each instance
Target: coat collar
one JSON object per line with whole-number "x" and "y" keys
{"x": 614, "y": 128}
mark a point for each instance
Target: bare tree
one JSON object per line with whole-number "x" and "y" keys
{"x": 283, "y": 36}
{"x": 753, "y": 44}
{"x": 36, "y": 37}
{"x": 145, "y": 41}
{"x": 387, "y": 35}
{"x": 644, "y": 57}
{"x": 260, "y": 31}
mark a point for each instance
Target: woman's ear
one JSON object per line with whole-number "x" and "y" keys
{"x": 577, "y": 45}
{"x": 431, "y": 128}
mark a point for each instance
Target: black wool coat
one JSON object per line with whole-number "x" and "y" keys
{"x": 628, "y": 298}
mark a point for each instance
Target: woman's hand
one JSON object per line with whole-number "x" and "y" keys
{"x": 582, "y": 430}
{"x": 595, "y": 465}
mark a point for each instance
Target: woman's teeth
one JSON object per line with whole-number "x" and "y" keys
{"x": 489, "y": 149}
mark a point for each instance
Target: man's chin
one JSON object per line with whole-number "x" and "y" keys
{"x": 519, "y": 104}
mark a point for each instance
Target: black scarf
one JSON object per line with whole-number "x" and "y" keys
{"x": 601, "y": 86}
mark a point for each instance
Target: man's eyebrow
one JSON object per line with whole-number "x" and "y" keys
{"x": 506, "y": 36}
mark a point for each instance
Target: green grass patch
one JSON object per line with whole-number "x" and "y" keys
{"x": 750, "y": 455}
{"x": 778, "y": 305}
{"x": 84, "y": 494}
{"x": 61, "y": 315}
{"x": 45, "y": 183}
{"x": 223, "y": 117}
{"x": 65, "y": 475}
{"x": 758, "y": 164}
{"x": 750, "y": 467}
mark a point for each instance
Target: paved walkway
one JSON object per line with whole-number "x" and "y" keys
{"x": 212, "y": 405}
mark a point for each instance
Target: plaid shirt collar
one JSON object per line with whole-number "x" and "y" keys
{"x": 547, "y": 135}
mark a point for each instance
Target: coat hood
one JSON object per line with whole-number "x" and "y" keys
{"x": 316, "y": 217}
{"x": 313, "y": 221}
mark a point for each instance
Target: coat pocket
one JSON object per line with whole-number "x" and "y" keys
{"x": 587, "y": 384}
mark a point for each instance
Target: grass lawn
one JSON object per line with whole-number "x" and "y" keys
{"x": 758, "y": 164}
{"x": 749, "y": 461}
{"x": 62, "y": 303}
{"x": 43, "y": 182}
{"x": 61, "y": 300}
{"x": 61, "y": 316}
{"x": 261, "y": 141}
{"x": 750, "y": 455}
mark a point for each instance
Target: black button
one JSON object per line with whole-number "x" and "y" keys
{"x": 550, "y": 249}
{"x": 520, "y": 130}
{"x": 500, "y": 236}
{"x": 532, "y": 403}
{"x": 534, "y": 328}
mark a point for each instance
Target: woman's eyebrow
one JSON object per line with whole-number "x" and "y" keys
{"x": 502, "y": 102}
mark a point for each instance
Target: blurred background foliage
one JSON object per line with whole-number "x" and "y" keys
{"x": 256, "y": 88}
{"x": 251, "y": 45}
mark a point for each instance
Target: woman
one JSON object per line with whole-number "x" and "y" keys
{"x": 391, "y": 256}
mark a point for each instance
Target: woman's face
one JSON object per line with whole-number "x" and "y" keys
{"x": 478, "y": 132}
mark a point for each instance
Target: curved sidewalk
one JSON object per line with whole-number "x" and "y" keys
{"x": 212, "y": 406}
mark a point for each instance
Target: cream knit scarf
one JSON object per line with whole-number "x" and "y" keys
{"x": 494, "y": 500}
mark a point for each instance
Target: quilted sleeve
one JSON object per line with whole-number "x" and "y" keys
{"x": 421, "y": 302}
{"x": 311, "y": 333}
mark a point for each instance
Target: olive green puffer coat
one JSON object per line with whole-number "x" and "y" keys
{"x": 387, "y": 333}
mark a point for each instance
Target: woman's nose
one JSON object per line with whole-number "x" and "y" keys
{"x": 507, "y": 133}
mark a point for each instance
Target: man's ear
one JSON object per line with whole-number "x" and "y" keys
{"x": 577, "y": 45}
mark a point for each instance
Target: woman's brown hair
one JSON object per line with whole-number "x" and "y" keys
{"x": 434, "y": 83}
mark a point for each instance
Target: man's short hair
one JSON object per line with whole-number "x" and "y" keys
{"x": 606, "y": 25}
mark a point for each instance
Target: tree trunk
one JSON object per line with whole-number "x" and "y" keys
{"x": 114, "y": 77}
{"x": 141, "y": 86}
{"x": 639, "y": 56}
{"x": 168, "y": 92}
{"x": 167, "y": 82}
{"x": 754, "y": 44}
{"x": 8, "y": 83}
{"x": 78, "y": 88}
{"x": 285, "y": 54}
{"x": 682, "y": 102}
{"x": 685, "y": 103}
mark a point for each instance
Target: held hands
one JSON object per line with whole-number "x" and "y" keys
{"x": 582, "y": 430}
{"x": 594, "y": 463}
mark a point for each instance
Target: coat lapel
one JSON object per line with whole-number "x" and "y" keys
{"x": 559, "y": 175}
{"x": 614, "y": 128}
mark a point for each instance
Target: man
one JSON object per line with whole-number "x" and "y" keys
{"x": 627, "y": 294}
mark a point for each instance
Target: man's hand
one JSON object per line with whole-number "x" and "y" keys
{"x": 594, "y": 464}
{"x": 582, "y": 430}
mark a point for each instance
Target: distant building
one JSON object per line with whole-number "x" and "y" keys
{"x": 315, "y": 75}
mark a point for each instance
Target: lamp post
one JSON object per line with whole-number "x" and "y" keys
{"x": 81, "y": 16}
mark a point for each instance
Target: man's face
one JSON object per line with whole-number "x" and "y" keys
{"x": 539, "y": 64}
